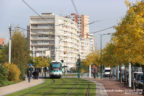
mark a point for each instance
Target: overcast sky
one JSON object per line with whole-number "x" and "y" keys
{"x": 107, "y": 12}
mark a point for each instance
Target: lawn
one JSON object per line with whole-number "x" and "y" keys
{"x": 60, "y": 87}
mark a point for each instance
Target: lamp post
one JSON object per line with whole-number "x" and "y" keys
{"x": 101, "y": 39}
{"x": 10, "y": 29}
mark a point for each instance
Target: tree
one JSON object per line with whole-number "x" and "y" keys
{"x": 42, "y": 62}
{"x": 109, "y": 57}
{"x": 92, "y": 58}
{"x": 13, "y": 72}
{"x": 3, "y": 75}
{"x": 4, "y": 54}
{"x": 112, "y": 57}
{"x": 129, "y": 36}
{"x": 20, "y": 52}
{"x": 1, "y": 56}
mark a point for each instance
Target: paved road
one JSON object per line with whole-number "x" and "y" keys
{"x": 19, "y": 86}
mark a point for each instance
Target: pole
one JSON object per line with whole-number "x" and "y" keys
{"x": 79, "y": 67}
{"x": 33, "y": 53}
{"x": 89, "y": 71}
{"x": 10, "y": 44}
{"x": 101, "y": 54}
{"x": 130, "y": 84}
{"x": 117, "y": 72}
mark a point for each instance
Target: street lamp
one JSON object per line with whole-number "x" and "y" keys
{"x": 101, "y": 39}
{"x": 10, "y": 29}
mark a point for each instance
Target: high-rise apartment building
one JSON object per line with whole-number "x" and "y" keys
{"x": 83, "y": 23}
{"x": 92, "y": 42}
{"x": 54, "y": 36}
{"x": 86, "y": 39}
{"x": 87, "y": 46}
{"x": 84, "y": 48}
{"x": 84, "y": 26}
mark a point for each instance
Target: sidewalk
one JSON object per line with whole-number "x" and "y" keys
{"x": 115, "y": 88}
{"x": 100, "y": 90}
{"x": 19, "y": 86}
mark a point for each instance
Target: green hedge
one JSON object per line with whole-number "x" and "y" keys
{"x": 3, "y": 75}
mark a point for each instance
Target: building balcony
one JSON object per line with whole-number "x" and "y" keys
{"x": 44, "y": 38}
{"x": 41, "y": 49}
{"x": 46, "y": 28}
{"x": 42, "y": 22}
{"x": 39, "y": 33}
{"x": 42, "y": 44}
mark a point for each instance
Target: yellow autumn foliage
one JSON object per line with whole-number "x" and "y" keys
{"x": 13, "y": 72}
{"x": 129, "y": 36}
{"x": 42, "y": 62}
{"x": 92, "y": 58}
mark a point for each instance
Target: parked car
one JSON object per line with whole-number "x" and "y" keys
{"x": 139, "y": 81}
{"x": 107, "y": 71}
{"x": 125, "y": 76}
{"x": 136, "y": 74}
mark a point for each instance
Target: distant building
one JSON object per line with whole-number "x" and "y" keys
{"x": 83, "y": 23}
{"x": 92, "y": 42}
{"x": 84, "y": 47}
{"x": 1, "y": 41}
{"x": 59, "y": 37}
{"x": 87, "y": 46}
{"x": 54, "y": 36}
{"x": 87, "y": 42}
{"x": 84, "y": 26}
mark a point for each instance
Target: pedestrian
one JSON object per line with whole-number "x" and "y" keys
{"x": 45, "y": 71}
{"x": 42, "y": 71}
{"x": 36, "y": 74}
{"x": 29, "y": 75}
{"x": 94, "y": 71}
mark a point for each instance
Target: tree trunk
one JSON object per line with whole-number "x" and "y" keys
{"x": 125, "y": 77}
{"x": 120, "y": 74}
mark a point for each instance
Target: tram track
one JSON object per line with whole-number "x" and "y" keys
{"x": 88, "y": 90}
{"x": 53, "y": 82}
{"x": 56, "y": 87}
{"x": 69, "y": 92}
{"x": 60, "y": 87}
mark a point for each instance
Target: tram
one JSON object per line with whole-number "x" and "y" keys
{"x": 55, "y": 69}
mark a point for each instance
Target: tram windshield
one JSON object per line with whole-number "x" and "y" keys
{"x": 55, "y": 65}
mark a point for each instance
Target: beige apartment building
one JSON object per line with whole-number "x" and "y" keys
{"x": 84, "y": 26}
{"x": 87, "y": 46}
{"x": 54, "y": 36}
{"x": 61, "y": 38}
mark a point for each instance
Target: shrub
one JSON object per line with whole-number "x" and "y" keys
{"x": 3, "y": 75}
{"x": 13, "y": 72}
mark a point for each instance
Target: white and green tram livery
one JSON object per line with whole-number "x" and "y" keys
{"x": 55, "y": 69}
